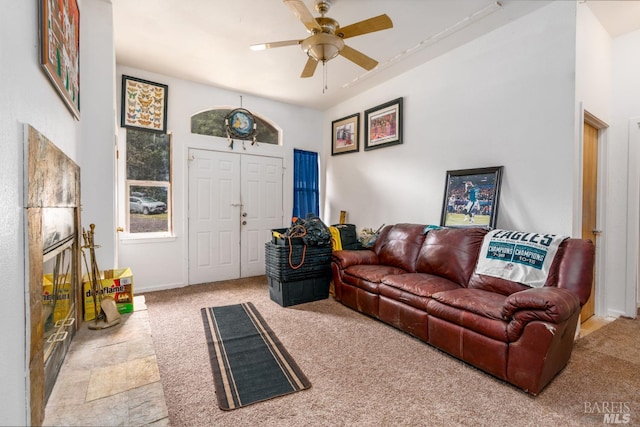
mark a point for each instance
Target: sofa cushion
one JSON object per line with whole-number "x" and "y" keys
{"x": 451, "y": 253}
{"x": 398, "y": 246}
{"x": 484, "y": 303}
{"x": 368, "y": 277}
{"x": 478, "y": 310}
{"x": 414, "y": 289}
{"x": 495, "y": 284}
{"x": 569, "y": 275}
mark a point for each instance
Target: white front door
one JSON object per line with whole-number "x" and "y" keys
{"x": 234, "y": 202}
{"x": 261, "y": 211}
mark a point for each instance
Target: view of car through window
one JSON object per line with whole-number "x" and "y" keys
{"x": 148, "y": 183}
{"x": 146, "y": 205}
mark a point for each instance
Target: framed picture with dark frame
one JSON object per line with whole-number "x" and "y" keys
{"x": 383, "y": 125}
{"x": 60, "y": 49}
{"x": 471, "y": 197}
{"x": 345, "y": 135}
{"x": 144, "y": 104}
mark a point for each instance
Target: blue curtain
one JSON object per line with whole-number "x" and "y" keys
{"x": 306, "y": 197}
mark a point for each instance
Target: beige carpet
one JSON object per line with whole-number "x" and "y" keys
{"x": 366, "y": 373}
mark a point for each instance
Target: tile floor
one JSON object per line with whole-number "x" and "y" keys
{"x": 110, "y": 377}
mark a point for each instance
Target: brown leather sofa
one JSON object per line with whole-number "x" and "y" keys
{"x": 425, "y": 285}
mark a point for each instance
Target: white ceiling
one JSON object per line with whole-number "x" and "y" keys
{"x": 207, "y": 41}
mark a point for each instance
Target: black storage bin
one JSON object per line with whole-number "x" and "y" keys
{"x": 348, "y": 234}
{"x": 317, "y": 261}
{"x": 299, "y": 291}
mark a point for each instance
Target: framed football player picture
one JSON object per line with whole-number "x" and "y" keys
{"x": 471, "y": 197}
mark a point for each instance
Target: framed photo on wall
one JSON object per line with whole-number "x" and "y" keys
{"x": 345, "y": 135}
{"x": 383, "y": 125}
{"x": 471, "y": 197}
{"x": 60, "y": 49}
{"x": 144, "y": 104}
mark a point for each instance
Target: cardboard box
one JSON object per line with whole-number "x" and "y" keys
{"x": 117, "y": 283}
{"x": 63, "y": 298}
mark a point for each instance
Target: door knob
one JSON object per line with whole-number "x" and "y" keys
{"x": 244, "y": 222}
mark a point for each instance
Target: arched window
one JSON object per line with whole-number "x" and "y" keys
{"x": 211, "y": 122}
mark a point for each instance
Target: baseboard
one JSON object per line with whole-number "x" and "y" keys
{"x": 615, "y": 313}
{"x": 162, "y": 287}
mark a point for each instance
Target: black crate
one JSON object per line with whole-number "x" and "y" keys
{"x": 317, "y": 261}
{"x": 348, "y": 235}
{"x": 299, "y": 291}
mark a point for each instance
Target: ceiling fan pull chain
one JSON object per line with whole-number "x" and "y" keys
{"x": 324, "y": 77}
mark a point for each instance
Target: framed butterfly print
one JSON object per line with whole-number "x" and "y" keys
{"x": 144, "y": 104}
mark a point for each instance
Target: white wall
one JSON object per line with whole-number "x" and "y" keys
{"x": 98, "y": 131}
{"x": 593, "y": 64}
{"x": 301, "y": 127}
{"x": 506, "y": 98}
{"x": 29, "y": 97}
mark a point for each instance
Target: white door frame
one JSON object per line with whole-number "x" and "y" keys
{"x": 632, "y": 282}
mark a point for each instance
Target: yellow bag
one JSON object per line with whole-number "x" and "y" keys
{"x": 336, "y": 242}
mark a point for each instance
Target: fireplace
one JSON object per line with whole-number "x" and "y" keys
{"x": 52, "y": 217}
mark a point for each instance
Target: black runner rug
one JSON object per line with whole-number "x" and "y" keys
{"x": 248, "y": 361}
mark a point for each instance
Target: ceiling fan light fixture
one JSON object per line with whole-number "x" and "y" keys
{"x": 323, "y": 46}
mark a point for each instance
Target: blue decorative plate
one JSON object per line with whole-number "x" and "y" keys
{"x": 240, "y": 124}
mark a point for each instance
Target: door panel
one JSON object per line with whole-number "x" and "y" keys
{"x": 214, "y": 207}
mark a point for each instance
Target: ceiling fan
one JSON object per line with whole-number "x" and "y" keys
{"x": 326, "y": 39}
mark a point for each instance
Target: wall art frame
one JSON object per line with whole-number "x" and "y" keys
{"x": 60, "y": 49}
{"x": 383, "y": 125}
{"x": 345, "y": 135}
{"x": 144, "y": 104}
{"x": 471, "y": 197}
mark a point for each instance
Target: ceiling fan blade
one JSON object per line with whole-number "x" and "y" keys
{"x": 300, "y": 10}
{"x": 358, "y": 58}
{"x": 271, "y": 45}
{"x": 381, "y": 22}
{"x": 309, "y": 68}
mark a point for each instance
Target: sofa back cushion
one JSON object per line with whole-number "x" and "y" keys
{"x": 398, "y": 245}
{"x": 451, "y": 253}
{"x": 495, "y": 284}
{"x": 572, "y": 269}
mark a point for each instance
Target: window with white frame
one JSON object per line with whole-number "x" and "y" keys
{"x": 211, "y": 122}
{"x": 148, "y": 182}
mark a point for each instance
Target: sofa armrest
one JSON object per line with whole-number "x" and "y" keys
{"x": 546, "y": 304}
{"x": 347, "y": 258}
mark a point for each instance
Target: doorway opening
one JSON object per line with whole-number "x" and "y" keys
{"x": 592, "y": 137}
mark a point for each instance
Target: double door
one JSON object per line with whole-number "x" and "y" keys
{"x": 235, "y": 200}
